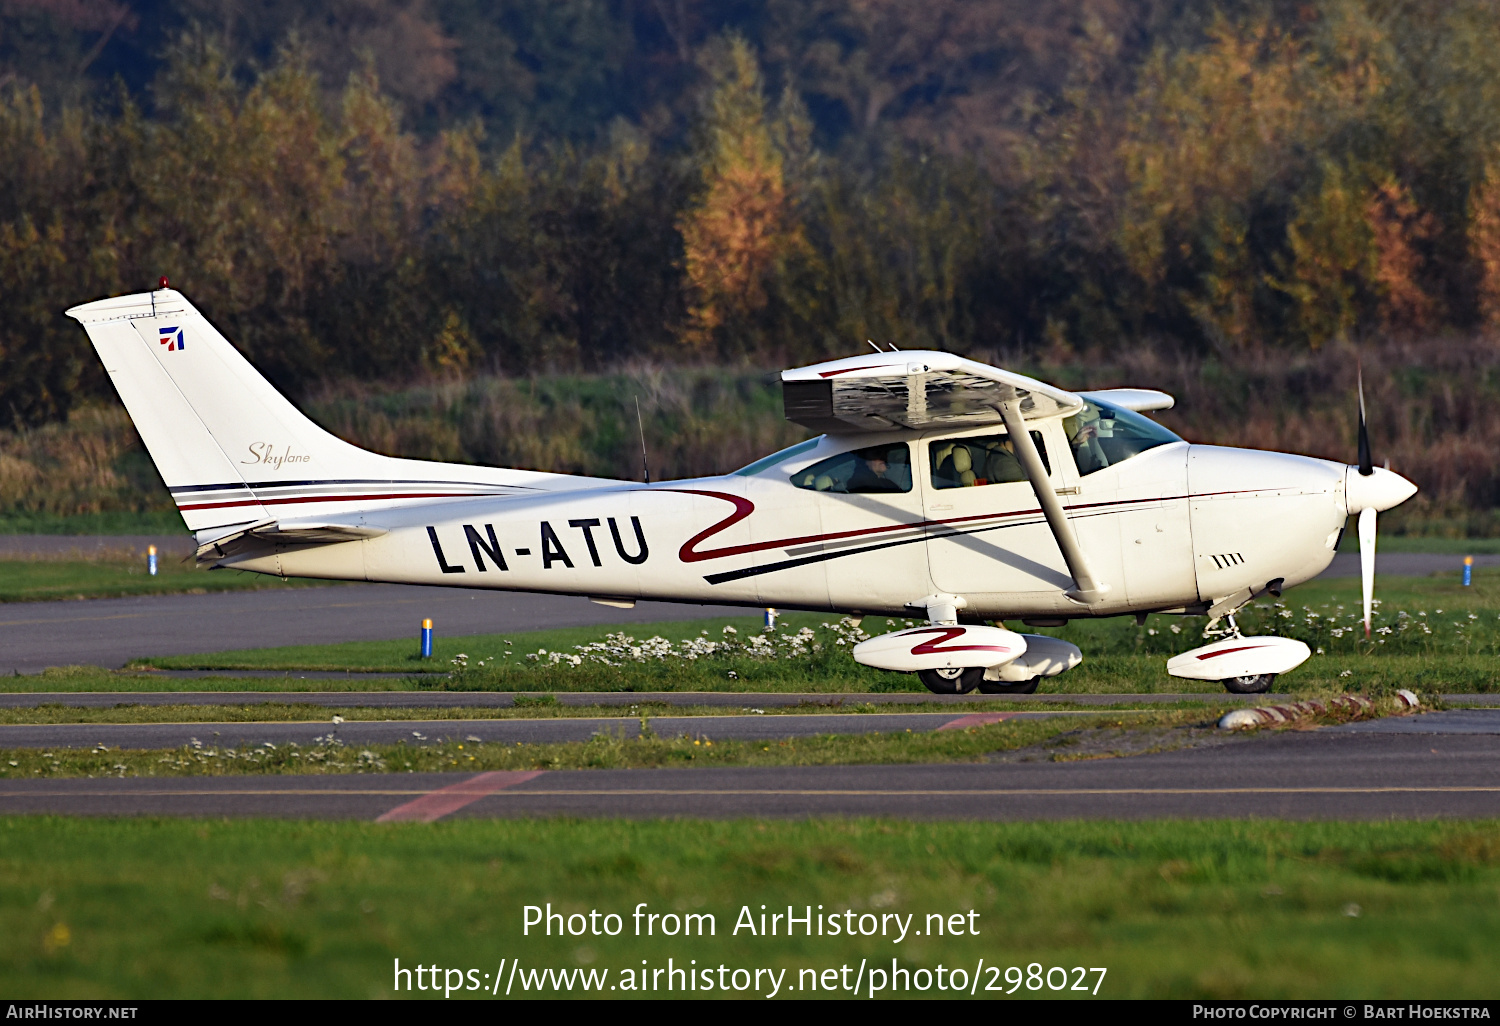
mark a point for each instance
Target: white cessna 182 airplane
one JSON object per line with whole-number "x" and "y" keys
{"x": 940, "y": 488}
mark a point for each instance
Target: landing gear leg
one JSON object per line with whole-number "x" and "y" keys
{"x": 951, "y": 680}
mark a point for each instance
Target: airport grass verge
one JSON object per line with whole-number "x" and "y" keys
{"x": 609, "y": 749}
{"x": 1431, "y": 634}
{"x": 449, "y": 749}
{"x": 45, "y": 580}
{"x": 529, "y": 707}
{"x": 1108, "y": 674}
{"x": 184, "y": 908}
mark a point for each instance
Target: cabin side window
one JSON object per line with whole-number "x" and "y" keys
{"x": 877, "y": 468}
{"x": 985, "y": 460}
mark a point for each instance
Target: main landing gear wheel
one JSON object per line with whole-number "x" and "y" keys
{"x": 952, "y": 680}
{"x": 1255, "y": 684}
{"x": 1006, "y": 687}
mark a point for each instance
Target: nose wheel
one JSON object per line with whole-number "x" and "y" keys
{"x": 951, "y": 680}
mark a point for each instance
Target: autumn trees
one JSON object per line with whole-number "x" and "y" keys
{"x": 577, "y": 183}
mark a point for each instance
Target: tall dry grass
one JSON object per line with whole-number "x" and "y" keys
{"x": 94, "y": 463}
{"x": 697, "y": 421}
{"x": 1432, "y": 404}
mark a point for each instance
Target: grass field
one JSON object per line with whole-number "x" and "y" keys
{"x": 1436, "y": 636}
{"x": 47, "y": 580}
{"x": 604, "y": 751}
{"x": 1085, "y": 734}
{"x": 112, "y": 908}
{"x": 530, "y": 707}
{"x": 1418, "y": 543}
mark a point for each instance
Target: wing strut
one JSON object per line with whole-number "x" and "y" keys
{"x": 1087, "y": 588}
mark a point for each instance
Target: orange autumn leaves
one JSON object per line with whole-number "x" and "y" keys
{"x": 741, "y": 230}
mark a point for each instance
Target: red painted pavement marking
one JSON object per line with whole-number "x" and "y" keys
{"x": 444, "y": 800}
{"x": 976, "y": 720}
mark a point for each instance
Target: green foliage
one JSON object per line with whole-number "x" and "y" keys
{"x": 184, "y": 908}
{"x": 607, "y": 749}
{"x": 543, "y": 187}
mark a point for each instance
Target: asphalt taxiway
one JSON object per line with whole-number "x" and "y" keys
{"x": 1307, "y": 775}
{"x": 108, "y": 632}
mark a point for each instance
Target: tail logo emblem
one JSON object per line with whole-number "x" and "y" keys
{"x": 171, "y": 338}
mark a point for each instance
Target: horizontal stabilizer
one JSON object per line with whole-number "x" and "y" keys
{"x": 289, "y": 532}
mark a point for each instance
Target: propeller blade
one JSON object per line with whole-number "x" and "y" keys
{"x": 1367, "y": 561}
{"x": 1366, "y": 463}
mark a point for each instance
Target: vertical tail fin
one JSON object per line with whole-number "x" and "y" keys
{"x": 213, "y": 425}
{"x": 232, "y": 450}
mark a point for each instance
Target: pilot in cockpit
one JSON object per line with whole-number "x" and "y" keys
{"x": 1083, "y": 436}
{"x": 870, "y": 476}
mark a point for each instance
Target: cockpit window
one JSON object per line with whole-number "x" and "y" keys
{"x": 879, "y": 468}
{"x": 986, "y": 460}
{"x": 1101, "y": 435}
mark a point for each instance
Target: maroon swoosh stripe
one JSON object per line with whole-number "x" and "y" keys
{"x": 851, "y": 370}
{"x": 934, "y": 646}
{"x": 1227, "y": 651}
{"x": 744, "y": 507}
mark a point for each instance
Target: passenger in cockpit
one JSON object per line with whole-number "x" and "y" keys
{"x": 1001, "y": 465}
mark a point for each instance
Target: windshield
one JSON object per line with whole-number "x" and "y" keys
{"x": 777, "y": 457}
{"x": 1102, "y": 435}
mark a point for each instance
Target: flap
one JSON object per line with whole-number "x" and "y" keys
{"x": 919, "y": 389}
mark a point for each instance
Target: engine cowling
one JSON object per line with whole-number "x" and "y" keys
{"x": 940, "y": 646}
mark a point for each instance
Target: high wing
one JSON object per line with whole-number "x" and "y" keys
{"x": 917, "y": 389}
{"x": 924, "y": 389}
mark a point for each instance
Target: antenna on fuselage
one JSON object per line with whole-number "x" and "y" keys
{"x": 872, "y": 345}
{"x": 641, "y": 426}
